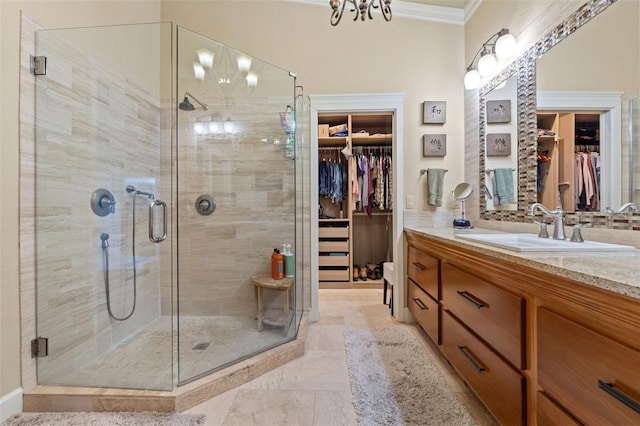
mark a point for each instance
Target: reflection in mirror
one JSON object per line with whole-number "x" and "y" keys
{"x": 501, "y": 135}
{"x": 586, "y": 102}
{"x": 462, "y": 192}
{"x": 588, "y": 59}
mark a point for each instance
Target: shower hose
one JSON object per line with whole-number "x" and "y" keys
{"x": 105, "y": 255}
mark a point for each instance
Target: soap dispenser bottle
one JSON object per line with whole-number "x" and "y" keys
{"x": 289, "y": 265}
{"x": 277, "y": 265}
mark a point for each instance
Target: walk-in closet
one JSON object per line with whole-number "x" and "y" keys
{"x": 355, "y": 194}
{"x": 569, "y": 164}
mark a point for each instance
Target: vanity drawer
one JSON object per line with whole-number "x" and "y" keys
{"x": 423, "y": 269}
{"x": 571, "y": 369}
{"x": 424, "y": 309}
{"x": 333, "y": 232}
{"x": 497, "y": 316}
{"x": 548, "y": 413}
{"x": 500, "y": 387}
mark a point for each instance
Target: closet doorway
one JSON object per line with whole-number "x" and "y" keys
{"x": 356, "y": 212}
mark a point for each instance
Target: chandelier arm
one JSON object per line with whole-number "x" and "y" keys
{"x": 336, "y": 14}
{"x": 385, "y": 8}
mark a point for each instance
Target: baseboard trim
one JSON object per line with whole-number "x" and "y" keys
{"x": 10, "y": 404}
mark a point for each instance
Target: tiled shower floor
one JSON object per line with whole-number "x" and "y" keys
{"x": 144, "y": 360}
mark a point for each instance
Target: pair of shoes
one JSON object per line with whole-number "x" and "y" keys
{"x": 363, "y": 273}
{"x": 356, "y": 272}
{"x": 373, "y": 271}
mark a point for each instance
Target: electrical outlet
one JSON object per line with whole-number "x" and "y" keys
{"x": 411, "y": 202}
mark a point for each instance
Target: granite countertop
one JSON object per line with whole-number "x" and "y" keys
{"x": 618, "y": 272}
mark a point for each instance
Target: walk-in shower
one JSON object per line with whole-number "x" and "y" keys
{"x": 160, "y": 193}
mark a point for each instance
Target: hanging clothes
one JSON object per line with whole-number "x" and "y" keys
{"x": 332, "y": 175}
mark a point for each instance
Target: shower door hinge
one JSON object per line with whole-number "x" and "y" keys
{"x": 39, "y": 347}
{"x": 39, "y": 65}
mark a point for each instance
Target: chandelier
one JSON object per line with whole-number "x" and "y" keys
{"x": 361, "y": 9}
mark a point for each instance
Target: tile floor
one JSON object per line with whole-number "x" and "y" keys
{"x": 314, "y": 389}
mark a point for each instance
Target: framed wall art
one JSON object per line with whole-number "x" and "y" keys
{"x": 435, "y": 112}
{"x": 434, "y": 145}
{"x": 499, "y": 111}
{"x": 498, "y": 144}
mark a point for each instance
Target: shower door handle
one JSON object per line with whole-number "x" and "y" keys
{"x": 152, "y": 221}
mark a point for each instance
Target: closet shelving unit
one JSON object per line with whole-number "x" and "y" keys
{"x": 348, "y": 237}
{"x": 558, "y": 174}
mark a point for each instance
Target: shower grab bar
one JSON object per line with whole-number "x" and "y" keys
{"x": 152, "y": 221}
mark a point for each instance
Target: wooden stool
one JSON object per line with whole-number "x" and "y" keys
{"x": 264, "y": 281}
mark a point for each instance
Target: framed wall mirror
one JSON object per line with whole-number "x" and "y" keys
{"x": 578, "y": 80}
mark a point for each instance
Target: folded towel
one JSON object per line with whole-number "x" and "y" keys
{"x": 435, "y": 179}
{"x": 503, "y": 187}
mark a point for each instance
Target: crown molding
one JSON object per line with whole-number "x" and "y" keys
{"x": 425, "y": 12}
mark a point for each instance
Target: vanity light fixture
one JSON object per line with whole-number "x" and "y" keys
{"x": 501, "y": 45}
{"x": 362, "y": 9}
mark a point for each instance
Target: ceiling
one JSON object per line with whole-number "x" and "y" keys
{"x": 458, "y": 4}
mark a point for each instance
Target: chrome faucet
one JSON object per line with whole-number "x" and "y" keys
{"x": 558, "y": 219}
{"x": 630, "y": 206}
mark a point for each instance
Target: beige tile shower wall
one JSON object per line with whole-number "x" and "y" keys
{"x": 253, "y": 182}
{"x": 96, "y": 129}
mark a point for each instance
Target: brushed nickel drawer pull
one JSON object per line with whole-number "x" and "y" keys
{"x": 421, "y": 305}
{"x": 419, "y": 266}
{"x": 463, "y": 350}
{"x": 619, "y": 395}
{"x": 466, "y": 296}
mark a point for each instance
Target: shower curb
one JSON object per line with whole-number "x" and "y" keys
{"x": 75, "y": 399}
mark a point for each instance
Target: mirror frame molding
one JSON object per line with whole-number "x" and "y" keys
{"x": 525, "y": 69}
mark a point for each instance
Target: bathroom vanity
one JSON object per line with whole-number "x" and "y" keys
{"x": 541, "y": 338}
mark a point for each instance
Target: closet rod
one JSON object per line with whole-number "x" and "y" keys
{"x": 331, "y": 148}
{"x": 372, "y": 147}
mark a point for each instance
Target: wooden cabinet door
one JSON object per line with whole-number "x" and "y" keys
{"x": 499, "y": 386}
{"x": 425, "y": 310}
{"x": 497, "y": 316}
{"x": 592, "y": 376}
{"x": 423, "y": 269}
{"x": 548, "y": 413}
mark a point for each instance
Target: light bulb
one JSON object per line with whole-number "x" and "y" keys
{"x": 244, "y": 63}
{"x": 199, "y": 128}
{"x": 198, "y": 71}
{"x": 213, "y": 127}
{"x": 472, "y": 79}
{"x": 228, "y": 126}
{"x": 487, "y": 64}
{"x": 205, "y": 56}
{"x": 252, "y": 79}
{"x": 505, "y": 45}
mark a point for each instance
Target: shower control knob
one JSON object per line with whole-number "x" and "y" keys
{"x": 205, "y": 204}
{"x": 103, "y": 202}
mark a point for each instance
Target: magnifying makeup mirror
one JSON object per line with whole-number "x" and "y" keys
{"x": 462, "y": 192}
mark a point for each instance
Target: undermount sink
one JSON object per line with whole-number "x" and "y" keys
{"x": 531, "y": 242}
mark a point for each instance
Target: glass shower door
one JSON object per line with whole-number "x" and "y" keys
{"x": 236, "y": 204}
{"x": 102, "y": 173}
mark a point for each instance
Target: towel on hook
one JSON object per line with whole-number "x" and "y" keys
{"x": 503, "y": 187}
{"x": 435, "y": 180}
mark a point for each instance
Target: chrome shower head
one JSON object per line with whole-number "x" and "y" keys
{"x": 185, "y": 105}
